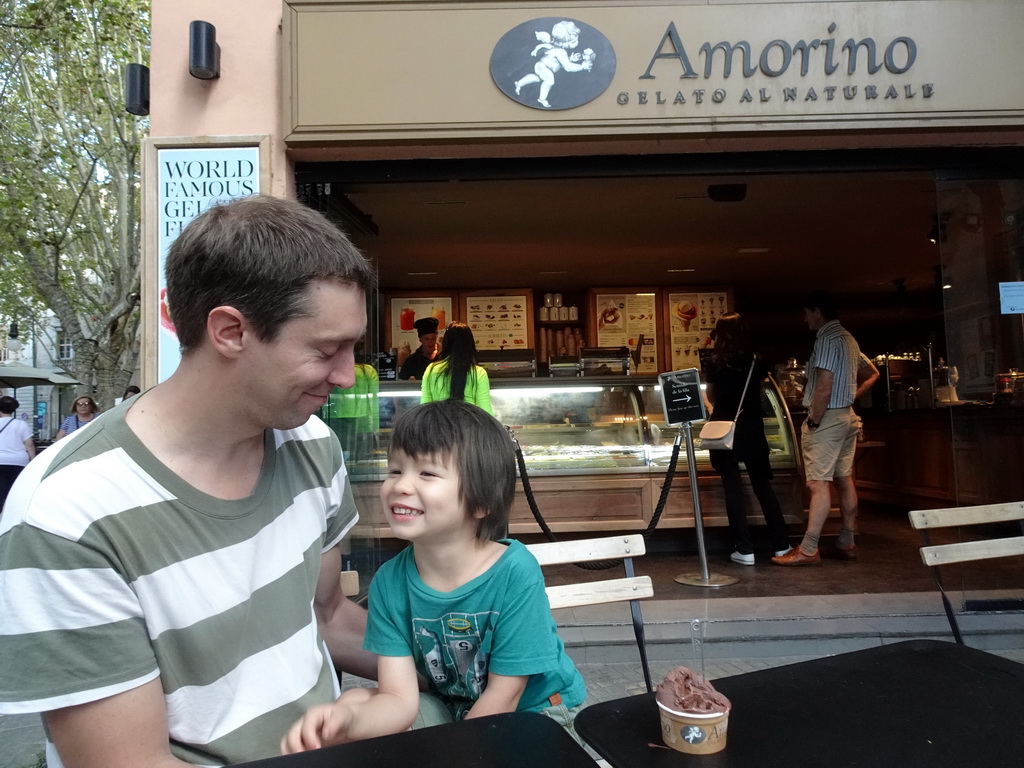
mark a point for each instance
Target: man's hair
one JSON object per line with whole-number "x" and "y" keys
{"x": 259, "y": 255}
{"x": 823, "y": 301}
{"x": 8, "y": 404}
{"x": 477, "y": 444}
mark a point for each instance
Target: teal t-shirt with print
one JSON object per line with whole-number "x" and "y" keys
{"x": 498, "y": 622}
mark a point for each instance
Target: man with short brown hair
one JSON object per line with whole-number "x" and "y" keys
{"x": 829, "y": 433}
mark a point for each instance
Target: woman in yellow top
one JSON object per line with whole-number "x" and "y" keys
{"x": 455, "y": 375}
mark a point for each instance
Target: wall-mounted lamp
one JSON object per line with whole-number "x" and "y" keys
{"x": 14, "y": 346}
{"x": 136, "y": 89}
{"x": 203, "y": 51}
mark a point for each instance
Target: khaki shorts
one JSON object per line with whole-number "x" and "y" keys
{"x": 828, "y": 450}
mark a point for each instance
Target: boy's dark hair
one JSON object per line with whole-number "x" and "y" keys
{"x": 259, "y": 255}
{"x": 477, "y": 444}
{"x": 8, "y": 404}
{"x": 823, "y": 301}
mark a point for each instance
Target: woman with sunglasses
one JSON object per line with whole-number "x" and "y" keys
{"x": 83, "y": 410}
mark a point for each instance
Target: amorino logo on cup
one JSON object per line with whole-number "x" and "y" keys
{"x": 553, "y": 63}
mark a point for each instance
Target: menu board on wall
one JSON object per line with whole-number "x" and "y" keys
{"x": 692, "y": 316}
{"x": 498, "y": 320}
{"x": 622, "y": 318}
{"x": 405, "y": 310}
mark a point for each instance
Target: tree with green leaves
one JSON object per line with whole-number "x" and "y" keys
{"x": 69, "y": 178}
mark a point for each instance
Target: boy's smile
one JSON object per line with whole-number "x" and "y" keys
{"x": 420, "y": 497}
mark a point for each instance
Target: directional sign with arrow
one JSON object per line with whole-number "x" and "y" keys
{"x": 681, "y": 396}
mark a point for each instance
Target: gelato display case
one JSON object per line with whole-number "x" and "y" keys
{"x": 596, "y": 451}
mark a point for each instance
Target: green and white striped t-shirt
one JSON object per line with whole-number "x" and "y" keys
{"x": 114, "y": 571}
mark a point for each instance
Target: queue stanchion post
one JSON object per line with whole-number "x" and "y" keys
{"x": 684, "y": 404}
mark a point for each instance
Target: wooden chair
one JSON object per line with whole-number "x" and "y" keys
{"x": 632, "y": 588}
{"x": 938, "y": 555}
{"x": 350, "y": 583}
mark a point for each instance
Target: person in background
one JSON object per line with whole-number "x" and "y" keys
{"x": 354, "y": 413}
{"x": 829, "y": 433}
{"x": 462, "y": 606}
{"x": 131, "y": 391}
{"x": 455, "y": 375}
{"x": 726, "y": 375}
{"x": 416, "y": 363}
{"x": 16, "y": 446}
{"x": 867, "y": 375}
{"x": 83, "y": 411}
{"x": 170, "y": 582}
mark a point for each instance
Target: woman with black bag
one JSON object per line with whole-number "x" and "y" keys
{"x": 731, "y": 365}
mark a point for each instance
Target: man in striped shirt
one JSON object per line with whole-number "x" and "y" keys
{"x": 169, "y": 574}
{"x": 835, "y": 380}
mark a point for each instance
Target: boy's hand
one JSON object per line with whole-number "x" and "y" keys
{"x": 326, "y": 724}
{"x": 322, "y": 726}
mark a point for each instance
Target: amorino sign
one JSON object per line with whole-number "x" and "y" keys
{"x": 594, "y": 69}
{"x": 814, "y": 61}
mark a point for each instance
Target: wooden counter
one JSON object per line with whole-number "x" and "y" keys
{"x": 624, "y": 502}
{"x": 965, "y": 454}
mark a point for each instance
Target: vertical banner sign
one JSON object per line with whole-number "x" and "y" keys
{"x": 190, "y": 181}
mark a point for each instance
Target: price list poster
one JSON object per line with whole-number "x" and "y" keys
{"x": 622, "y": 318}
{"x": 499, "y": 321}
{"x": 405, "y": 310}
{"x": 692, "y": 315}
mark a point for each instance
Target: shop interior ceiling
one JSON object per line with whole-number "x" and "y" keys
{"x": 851, "y": 233}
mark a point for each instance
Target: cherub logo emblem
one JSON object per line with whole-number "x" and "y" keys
{"x": 694, "y": 734}
{"x": 564, "y": 36}
{"x": 539, "y": 64}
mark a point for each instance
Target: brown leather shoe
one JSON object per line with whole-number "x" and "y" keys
{"x": 846, "y": 553}
{"x": 797, "y": 557}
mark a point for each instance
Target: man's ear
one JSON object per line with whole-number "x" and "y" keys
{"x": 227, "y": 330}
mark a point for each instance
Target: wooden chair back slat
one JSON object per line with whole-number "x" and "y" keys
{"x": 595, "y": 593}
{"x": 936, "y": 555}
{"x": 629, "y": 589}
{"x": 350, "y": 583}
{"x": 588, "y": 550}
{"x": 987, "y": 513}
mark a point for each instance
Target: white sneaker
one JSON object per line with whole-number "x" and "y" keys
{"x": 742, "y": 559}
{"x": 781, "y": 552}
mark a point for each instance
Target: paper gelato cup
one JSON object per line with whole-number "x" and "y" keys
{"x": 694, "y": 734}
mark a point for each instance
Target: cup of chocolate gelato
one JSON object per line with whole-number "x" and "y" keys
{"x": 694, "y": 716}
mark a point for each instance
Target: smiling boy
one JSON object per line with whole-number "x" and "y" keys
{"x": 461, "y": 606}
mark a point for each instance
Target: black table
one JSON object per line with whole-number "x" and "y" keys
{"x": 915, "y": 703}
{"x": 512, "y": 740}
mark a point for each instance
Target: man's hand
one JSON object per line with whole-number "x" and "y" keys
{"x": 823, "y": 379}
